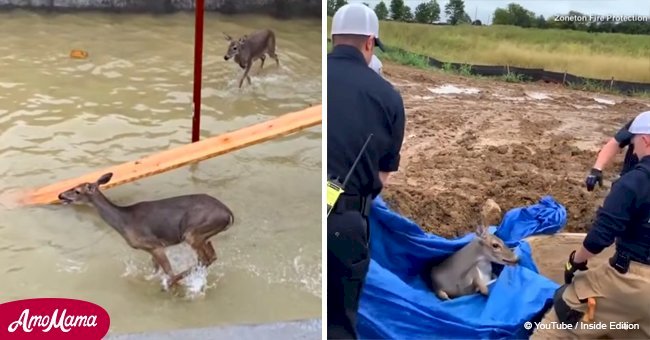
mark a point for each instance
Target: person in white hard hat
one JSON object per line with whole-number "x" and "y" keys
{"x": 361, "y": 107}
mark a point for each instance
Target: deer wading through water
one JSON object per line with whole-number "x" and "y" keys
{"x": 469, "y": 270}
{"x": 247, "y": 49}
{"x": 153, "y": 225}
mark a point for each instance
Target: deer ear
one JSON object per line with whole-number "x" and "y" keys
{"x": 480, "y": 231}
{"x": 105, "y": 178}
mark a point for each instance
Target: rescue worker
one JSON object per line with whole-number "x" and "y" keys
{"x": 359, "y": 103}
{"x": 622, "y": 139}
{"x": 620, "y": 287}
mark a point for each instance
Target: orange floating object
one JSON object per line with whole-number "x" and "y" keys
{"x": 183, "y": 155}
{"x": 78, "y": 54}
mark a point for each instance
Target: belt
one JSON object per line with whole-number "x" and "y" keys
{"x": 621, "y": 261}
{"x": 346, "y": 203}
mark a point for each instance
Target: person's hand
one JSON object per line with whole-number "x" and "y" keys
{"x": 571, "y": 267}
{"x": 595, "y": 176}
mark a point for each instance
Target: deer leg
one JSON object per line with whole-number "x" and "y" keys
{"x": 482, "y": 288}
{"x": 480, "y": 284}
{"x": 204, "y": 258}
{"x": 156, "y": 266}
{"x": 263, "y": 57}
{"x": 199, "y": 234}
{"x": 199, "y": 247}
{"x": 241, "y": 81}
{"x": 163, "y": 261}
{"x": 211, "y": 255}
{"x": 442, "y": 295}
{"x": 274, "y": 56}
{"x": 206, "y": 234}
{"x": 208, "y": 255}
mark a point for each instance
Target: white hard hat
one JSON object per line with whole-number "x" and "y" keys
{"x": 357, "y": 19}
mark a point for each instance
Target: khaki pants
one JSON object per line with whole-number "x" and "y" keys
{"x": 621, "y": 299}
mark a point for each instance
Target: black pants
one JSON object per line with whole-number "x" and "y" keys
{"x": 348, "y": 259}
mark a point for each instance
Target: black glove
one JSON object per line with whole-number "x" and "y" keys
{"x": 595, "y": 176}
{"x": 571, "y": 267}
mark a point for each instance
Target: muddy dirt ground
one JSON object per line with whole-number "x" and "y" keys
{"x": 512, "y": 142}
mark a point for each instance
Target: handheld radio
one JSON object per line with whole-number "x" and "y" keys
{"x": 335, "y": 188}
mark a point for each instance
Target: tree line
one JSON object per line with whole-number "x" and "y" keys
{"x": 425, "y": 13}
{"x": 517, "y": 15}
{"x": 428, "y": 12}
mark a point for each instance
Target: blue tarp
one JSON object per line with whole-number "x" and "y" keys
{"x": 396, "y": 303}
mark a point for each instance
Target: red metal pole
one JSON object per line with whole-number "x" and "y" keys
{"x": 198, "y": 64}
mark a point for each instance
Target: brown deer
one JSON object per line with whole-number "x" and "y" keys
{"x": 247, "y": 49}
{"x": 469, "y": 269}
{"x": 154, "y": 225}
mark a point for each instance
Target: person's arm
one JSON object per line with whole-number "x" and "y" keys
{"x": 611, "y": 220}
{"x": 390, "y": 162}
{"x": 621, "y": 139}
{"x": 607, "y": 153}
{"x": 582, "y": 255}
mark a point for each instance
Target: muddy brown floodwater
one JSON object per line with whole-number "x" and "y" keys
{"x": 471, "y": 139}
{"x": 132, "y": 97}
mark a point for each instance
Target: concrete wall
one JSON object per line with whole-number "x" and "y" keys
{"x": 277, "y": 8}
{"x": 292, "y": 330}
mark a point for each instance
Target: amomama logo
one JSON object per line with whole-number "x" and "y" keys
{"x": 53, "y": 318}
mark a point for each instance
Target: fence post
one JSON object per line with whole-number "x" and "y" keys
{"x": 564, "y": 79}
{"x": 611, "y": 84}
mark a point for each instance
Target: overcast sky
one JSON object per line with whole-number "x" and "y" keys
{"x": 485, "y": 8}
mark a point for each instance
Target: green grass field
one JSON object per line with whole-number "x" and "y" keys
{"x": 593, "y": 55}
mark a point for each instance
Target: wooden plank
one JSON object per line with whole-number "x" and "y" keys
{"x": 183, "y": 155}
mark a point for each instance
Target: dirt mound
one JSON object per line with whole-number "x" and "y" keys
{"x": 511, "y": 175}
{"x": 462, "y": 149}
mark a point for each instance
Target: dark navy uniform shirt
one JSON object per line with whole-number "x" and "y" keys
{"x": 360, "y": 102}
{"x": 625, "y": 216}
{"x": 624, "y": 138}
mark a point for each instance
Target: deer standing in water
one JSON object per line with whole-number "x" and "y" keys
{"x": 247, "y": 49}
{"x": 154, "y": 225}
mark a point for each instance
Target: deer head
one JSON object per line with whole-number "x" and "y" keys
{"x": 494, "y": 249}
{"x": 82, "y": 192}
{"x": 234, "y": 47}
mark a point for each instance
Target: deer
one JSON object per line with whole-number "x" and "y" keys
{"x": 151, "y": 226}
{"x": 469, "y": 270}
{"x": 248, "y": 48}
